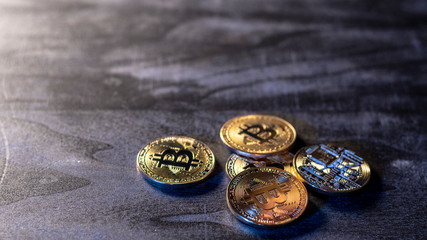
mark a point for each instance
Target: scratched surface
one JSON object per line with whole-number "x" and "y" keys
{"x": 85, "y": 84}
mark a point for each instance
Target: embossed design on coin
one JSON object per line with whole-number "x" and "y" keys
{"x": 258, "y": 134}
{"x": 266, "y": 197}
{"x": 332, "y": 169}
{"x": 267, "y": 193}
{"x": 237, "y": 164}
{"x": 176, "y": 161}
{"x": 171, "y": 157}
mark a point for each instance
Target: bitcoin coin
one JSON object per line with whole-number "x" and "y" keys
{"x": 331, "y": 169}
{"x": 237, "y": 164}
{"x": 173, "y": 161}
{"x": 266, "y": 197}
{"x": 258, "y": 135}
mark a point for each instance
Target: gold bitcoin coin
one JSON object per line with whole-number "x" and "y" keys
{"x": 258, "y": 135}
{"x": 331, "y": 169}
{"x": 237, "y": 164}
{"x": 172, "y": 161}
{"x": 266, "y": 197}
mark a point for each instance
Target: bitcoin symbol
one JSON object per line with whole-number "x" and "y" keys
{"x": 266, "y": 193}
{"x": 171, "y": 157}
{"x": 259, "y": 133}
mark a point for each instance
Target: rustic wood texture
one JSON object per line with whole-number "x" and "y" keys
{"x": 86, "y": 83}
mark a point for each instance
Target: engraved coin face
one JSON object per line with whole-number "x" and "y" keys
{"x": 175, "y": 161}
{"x": 258, "y": 134}
{"x": 237, "y": 164}
{"x": 266, "y": 197}
{"x": 331, "y": 169}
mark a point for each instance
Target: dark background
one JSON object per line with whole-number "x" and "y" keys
{"x": 85, "y": 84}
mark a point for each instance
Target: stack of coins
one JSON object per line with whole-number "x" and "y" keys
{"x": 266, "y": 187}
{"x": 267, "y": 181}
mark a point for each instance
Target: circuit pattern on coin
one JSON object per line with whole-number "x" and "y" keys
{"x": 266, "y": 197}
{"x": 176, "y": 160}
{"x": 258, "y": 134}
{"x": 331, "y": 169}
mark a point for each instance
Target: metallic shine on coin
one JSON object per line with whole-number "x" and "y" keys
{"x": 176, "y": 160}
{"x": 258, "y": 135}
{"x": 237, "y": 164}
{"x": 266, "y": 197}
{"x": 331, "y": 169}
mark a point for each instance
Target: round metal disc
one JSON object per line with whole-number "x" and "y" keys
{"x": 258, "y": 134}
{"x": 266, "y": 197}
{"x": 331, "y": 169}
{"x": 175, "y": 161}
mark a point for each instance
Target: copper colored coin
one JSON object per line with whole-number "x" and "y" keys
{"x": 173, "y": 161}
{"x": 266, "y": 197}
{"x": 258, "y": 135}
{"x": 331, "y": 169}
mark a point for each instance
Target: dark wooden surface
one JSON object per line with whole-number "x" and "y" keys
{"x": 85, "y": 84}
